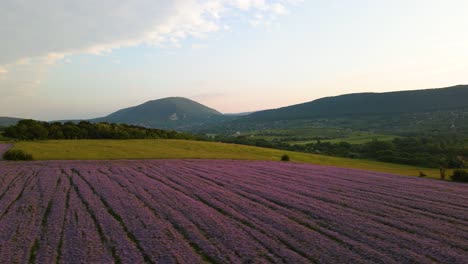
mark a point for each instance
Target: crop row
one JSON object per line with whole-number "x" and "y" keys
{"x": 204, "y": 211}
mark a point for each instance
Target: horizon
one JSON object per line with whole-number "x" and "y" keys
{"x": 229, "y": 113}
{"x": 73, "y": 61}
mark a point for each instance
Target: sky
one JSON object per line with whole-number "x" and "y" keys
{"x": 84, "y": 59}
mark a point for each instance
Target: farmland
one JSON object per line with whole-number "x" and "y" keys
{"x": 215, "y": 211}
{"x": 4, "y": 148}
{"x": 308, "y": 135}
{"x": 186, "y": 149}
{"x": 358, "y": 139}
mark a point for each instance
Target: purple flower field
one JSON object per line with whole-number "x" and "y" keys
{"x": 196, "y": 211}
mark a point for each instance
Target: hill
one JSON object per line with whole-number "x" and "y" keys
{"x": 168, "y": 113}
{"x": 390, "y": 113}
{"x": 441, "y": 109}
{"x": 360, "y": 104}
{"x": 8, "y": 121}
{"x": 186, "y": 149}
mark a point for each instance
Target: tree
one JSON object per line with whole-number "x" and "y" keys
{"x": 285, "y": 158}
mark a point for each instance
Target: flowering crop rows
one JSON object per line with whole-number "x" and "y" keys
{"x": 195, "y": 211}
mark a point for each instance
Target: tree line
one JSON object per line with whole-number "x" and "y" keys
{"x": 426, "y": 151}
{"x": 38, "y": 130}
{"x": 423, "y": 150}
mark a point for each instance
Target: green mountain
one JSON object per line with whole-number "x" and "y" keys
{"x": 391, "y": 113}
{"x": 443, "y": 109}
{"x": 361, "y": 104}
{"x": 8, "y": 121}
{"x": 169, "y": 113}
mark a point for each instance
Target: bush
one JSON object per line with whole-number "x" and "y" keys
{"x": 460, "y": 176}
{"x": 442, "y": 173}
{"x": 285, "y": 158}
{"x": 16, "y": 154}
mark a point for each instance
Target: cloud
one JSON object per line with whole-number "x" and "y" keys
{"x": 37, "y": 29}
{"x": 22, "y": 78}
{"x": 278, "y": 8}
{"x": 43, "y": 32}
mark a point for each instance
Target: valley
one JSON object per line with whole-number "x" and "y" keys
{"x": 233, "y": 132}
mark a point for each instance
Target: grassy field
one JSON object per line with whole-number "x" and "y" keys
{"x": 184, "y": 149}
{"x": 357, "y": 139}
{"x": 309, "y": 135}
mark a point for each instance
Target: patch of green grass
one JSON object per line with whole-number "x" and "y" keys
{"x": 357, "y": 138}
{"x": 185, "y": 149}
{"x": 362, "y": 139}
{"x": 308, "y": 135}
{"x": 309, "y": 132}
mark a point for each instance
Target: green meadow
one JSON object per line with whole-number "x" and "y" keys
{"x": 358, "y": 139}
{"x": 310, "y": 134}
{"x": 185, "y": 149}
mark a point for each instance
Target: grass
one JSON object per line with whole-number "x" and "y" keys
{"x": 309, "y": 135}
{"x": 303, "y": 132}
{"x": 362, "y": 139}
{"x": 184, "y": 149}
{"x": 359, "y": 138}
{"x": 5, "y": 140}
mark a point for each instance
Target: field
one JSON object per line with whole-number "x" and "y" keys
{"x": 303, "y": 132}
{"x": 184, "y": 149}
{"x": 356, "y": 139}
{"x": 4, "y": 148}
{"x": 194, "y": 211}
{"x": 308, "y": 133}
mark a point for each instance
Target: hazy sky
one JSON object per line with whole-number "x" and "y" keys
{"x": 87, "y": 58}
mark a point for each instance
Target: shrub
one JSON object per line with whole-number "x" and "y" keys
{"x": 16, "y": 154}
{"x": 442, "y": 173}
{"x": 285, "y": 158}
{"x": 460, "y": 176}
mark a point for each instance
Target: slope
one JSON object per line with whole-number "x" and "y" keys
{"x": 360, "y": 104}
{"x": 167, "y": 113}
{"x": 186, "y": 149}
{"x": 439, "y": 110}
{"x": 8, "y": 121}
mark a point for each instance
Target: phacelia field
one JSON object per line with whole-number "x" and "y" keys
{"x": 196, "y": 211}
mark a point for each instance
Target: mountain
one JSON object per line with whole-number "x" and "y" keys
{"x": 8, "y": 121}
{"x": 441, "y": 109}
{"x": 238, "y": 114}
{"x": 168, "y": 113}
{"x": 362, "y": 104}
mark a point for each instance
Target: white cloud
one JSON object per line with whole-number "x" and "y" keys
{"x": 247, "y": 4}
{"x": 278, "y": 8}
{"x": 43, "y": 32}
{"x": 37, "y": 29}
{"x": 23, "y": 78}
